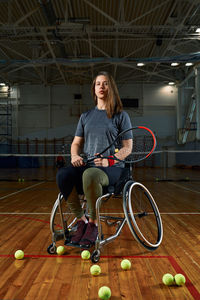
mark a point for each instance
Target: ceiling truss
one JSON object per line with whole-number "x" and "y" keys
{"x": 68, "y": 42}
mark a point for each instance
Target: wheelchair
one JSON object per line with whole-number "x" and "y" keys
{"x": 141, "y": 214}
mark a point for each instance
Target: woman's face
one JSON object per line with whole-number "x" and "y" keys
{"x": 101, "y": 87}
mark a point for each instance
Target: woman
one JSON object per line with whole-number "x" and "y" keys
{"x": 96, "y": 129}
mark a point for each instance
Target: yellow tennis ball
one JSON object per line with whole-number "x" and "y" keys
{"x": 104, "y": 293}
{"x": 125, "y": 264}
{"x": 168, "y": 279}
{"x": 60, "y": 250}
{"x": 19, "y": 254}
{"x": 179, "y": 279}
{"x": 85, "y": 254}
{"x": 95, "y": 270}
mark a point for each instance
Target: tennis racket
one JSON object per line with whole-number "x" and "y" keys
{"x": 140, "y": 143}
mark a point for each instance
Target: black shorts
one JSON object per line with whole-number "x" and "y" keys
{"x": 71, "y": 176}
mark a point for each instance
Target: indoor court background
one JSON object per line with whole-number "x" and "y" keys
{"x": 49, "y": 53}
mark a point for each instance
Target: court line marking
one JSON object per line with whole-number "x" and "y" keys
{"x": 184, "y": 188}
{"x": 27, "y": 218}
{"x": 189, "y": 285}
{"x": 78, "y": 256}
{"x": 40, "y": 213}
{"x": 22, "y": 190}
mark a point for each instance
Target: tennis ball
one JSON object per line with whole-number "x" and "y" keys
{"x": 85, "y": 254}
{"x": 60, "y": 250}
{"x": 125, "y": 264}
{"x": 168, "y": 279}
{"x": 104, "y": 293}
{"x": 19, "y": 254}
{"x": 179, "y": 279}
{"x": 95, "y": 270}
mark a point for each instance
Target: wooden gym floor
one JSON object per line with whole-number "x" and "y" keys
{"x": 24, "y": 224}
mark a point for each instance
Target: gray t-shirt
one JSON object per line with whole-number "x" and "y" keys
{"x": 99, "y": 131}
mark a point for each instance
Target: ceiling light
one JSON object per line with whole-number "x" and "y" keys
{"x": 198, "y": 30}
{"x": 189, "y": 64}
{"x": 174, "y": 64}
{"x": 2, "y": 84}
{"x": 140, "y": 64}
{"x": 171, "y": 83}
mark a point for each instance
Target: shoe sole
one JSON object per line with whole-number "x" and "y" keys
{"x": 79, "y": 246}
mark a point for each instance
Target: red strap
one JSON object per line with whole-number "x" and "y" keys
{"x": 111, "y": 162}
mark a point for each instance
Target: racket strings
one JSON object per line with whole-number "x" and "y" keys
{"x": 142, "y": 145}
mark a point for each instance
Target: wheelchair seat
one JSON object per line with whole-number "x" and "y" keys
{"x": 118, "y": 187}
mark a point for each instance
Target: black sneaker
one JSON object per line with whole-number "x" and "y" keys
{"x": 90, "y": 236}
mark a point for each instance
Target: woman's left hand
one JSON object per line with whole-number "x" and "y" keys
{"x": 100, "y": 162}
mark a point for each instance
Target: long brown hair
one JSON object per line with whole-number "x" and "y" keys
{"x": 113, "y": 102}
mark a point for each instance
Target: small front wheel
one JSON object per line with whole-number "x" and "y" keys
{"x": 95, "y": 256}
{"x": 51, "y": 249}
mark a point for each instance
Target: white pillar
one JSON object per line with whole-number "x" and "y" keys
{"x": 179, "y": 112}
{"x": 197, "y": 88}
{"x": 50, "y": 108}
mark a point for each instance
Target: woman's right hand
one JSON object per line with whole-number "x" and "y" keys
{"x": 77, "y": 161}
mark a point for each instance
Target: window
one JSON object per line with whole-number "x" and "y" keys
{"x": 130, "y": 102}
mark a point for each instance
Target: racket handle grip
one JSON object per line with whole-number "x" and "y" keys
{"x": 85, "y": 160}
{"x": 88, "y": 159}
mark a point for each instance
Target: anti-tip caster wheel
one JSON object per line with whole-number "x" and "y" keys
{"x": 51, "y": 249}
{"x": 95, "y": 256}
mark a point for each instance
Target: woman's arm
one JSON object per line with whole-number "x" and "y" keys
{"x": 122, "y": 154}
{"x": 126, "y": 149}
{"x": 76, "y": 149}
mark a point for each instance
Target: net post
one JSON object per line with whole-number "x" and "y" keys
{"x": 36, "y": 146}
{"x": 18, "y": 145}
{"x": 27, "y": 145}
{"x": 165, "y": 163}
{"x": 45, "y": 152}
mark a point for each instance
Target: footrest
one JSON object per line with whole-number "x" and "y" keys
{"x": 67, "y": 243}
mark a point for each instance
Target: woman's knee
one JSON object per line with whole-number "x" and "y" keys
{"x": 95, "y": 176}
{"x": 59, "y": 176}
{"x": 65, "y": 175}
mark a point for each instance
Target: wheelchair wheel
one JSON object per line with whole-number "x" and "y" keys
{"x": 95, "y": 256}
{"x": 52, "y": 249}
{"x": 142, "y": 215}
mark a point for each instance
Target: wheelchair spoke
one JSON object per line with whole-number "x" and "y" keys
{"x": 56, "y": 221}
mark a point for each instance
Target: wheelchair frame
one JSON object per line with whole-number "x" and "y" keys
{"x": 119, "y": 222}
